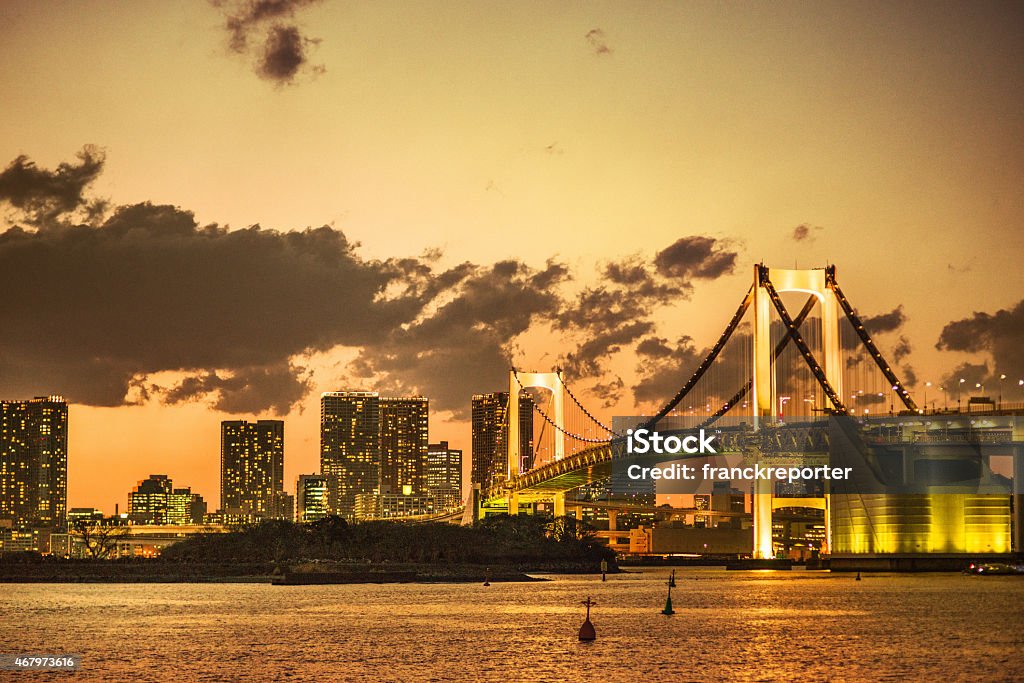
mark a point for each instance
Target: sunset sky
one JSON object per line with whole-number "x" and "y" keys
{"x": 440, "y": 186}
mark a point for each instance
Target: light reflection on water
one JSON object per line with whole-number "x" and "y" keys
{"x": 727, "y": 626}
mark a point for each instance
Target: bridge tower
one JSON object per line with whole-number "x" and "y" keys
{"x": 817, "y": 282}
{"x": 517, "y": 381}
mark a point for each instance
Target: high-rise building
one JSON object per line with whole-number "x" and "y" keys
{"x": 349, "y": 447}
{"x": 310, "y": 498}
{"x": 147, "y": 503}
{"x": 403, "y": 445}
{"x": 444, "y": 474}
{"x": 185, "y": 507}
{"x": 34, "y": 462}
{"x": 251, "y": 469}
{"x": 490, "y": 437}
{"x": 156, "y": 501}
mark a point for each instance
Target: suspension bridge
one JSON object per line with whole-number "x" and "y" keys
{"x": 776, "y": 375}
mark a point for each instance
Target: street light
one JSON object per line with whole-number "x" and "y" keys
{"x": 782, "y": 403}
{"x": 962, "y": 380}
{"x": 926, "y": 385}
{"x": 999, "y": 401}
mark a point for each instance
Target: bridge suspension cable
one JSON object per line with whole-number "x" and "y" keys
{"x": 706, "y": 363}
{"x": 869, "y": 344}
{"x": 779, "y": 348}
{"x": 551, "y": 422}
{"x": 587, "y": 412}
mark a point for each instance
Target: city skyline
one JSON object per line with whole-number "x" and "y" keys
{"x": 591, "y": 198}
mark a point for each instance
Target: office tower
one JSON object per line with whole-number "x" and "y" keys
{"x": 403, "y": 445}
{"x": 34, "y": 462}
{"x": 147, "y": 503}
{"x": 251, "y": 468}
{"x": 444, "y": 474}
{"x": 349, "y": 447}
{"x": 310, "y": 498}
{"x": 490, "y": 437}
{"x": 282, "y": 506}
{"x": 185, "y": 507}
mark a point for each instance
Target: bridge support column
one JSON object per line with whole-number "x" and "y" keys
{"x": 559, "y": 504}
{"x": 613, "y": 518}
{"x": 827, "y": 547}
{"x": 763, "y": 389}
{"x": 513, "y": 503}
{"x": 552, "y": 381}
{"x": 762, "y": 512}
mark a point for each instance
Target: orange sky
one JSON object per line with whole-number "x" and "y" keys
{"x": 492, "y": 132}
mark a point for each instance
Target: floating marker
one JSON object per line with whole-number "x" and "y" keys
{"x": 668, "y": 601}
{"x": 587, "y": 632}
{"x": 858, "y": 576}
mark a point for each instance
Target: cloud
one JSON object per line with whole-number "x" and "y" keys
{"x": 606, "y": 318}
{"x": 696, "y": 257}
{"x": 610, "y": 392}
{"x": 282, "y": 52}
{"x": 805, "y": 232}
{"x": 999, "y": 335}
{"x": 42, "y": 196}
{"x": 598, "y": 41}
{"x": 463, "y": 347}
{"x": 971, "y": 373}
{"x": 663, "y": 368}
{"x": 93, "y": 311}
{"x": 101, "y": 312}
{"x": 246, "y": 390}
{"x": 885, "y": 322}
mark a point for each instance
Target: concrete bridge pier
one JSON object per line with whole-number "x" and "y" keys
{"x": 762, "y": 513}
{"x": 559, "y": 504}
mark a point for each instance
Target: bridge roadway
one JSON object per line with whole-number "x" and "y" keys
{"x": 597, "y": 462}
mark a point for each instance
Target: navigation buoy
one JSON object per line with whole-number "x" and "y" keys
{"x": 487, "y": 577}
{"x": 668, "y": 601}
{"x": 672, "y": 579}
{"x": 604, "y": 570}
{"x": 587, "y": 631}
{"x": 858, "y": 576}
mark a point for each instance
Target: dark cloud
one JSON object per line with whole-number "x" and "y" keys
{"x": 246, "y": 390}
{"x": 885, "y": 322}
{"x": 663, "y": 373}
{"x": 805, "y": 232}
{"x": 610, "y": 392}
{"x": 696, "y": 257}
{"x": 588, "y": 358}
{"x": 92, "y": 311}
{"x": 598, "y": 41}
{"x": 970, "y": 373}
{"x": 999, "y": 334}
{"x": 463, "y": 347}
{"x": 282, "y": 52}
{"x": 41, "y": 196}
{"x": 610, "y": 316}
{"x": 97, "y": 311}
{"x": 901, "y": 350}
{"x": 654, "y": 348}
{"x": 606, "y": 317}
